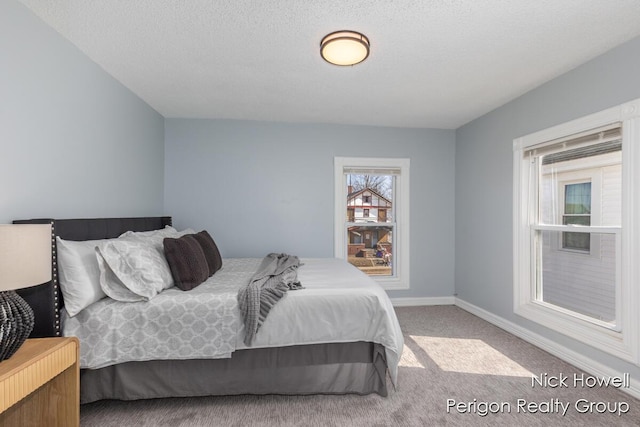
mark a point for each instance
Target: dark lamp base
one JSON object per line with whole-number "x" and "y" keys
{"x": 16, "y": 323}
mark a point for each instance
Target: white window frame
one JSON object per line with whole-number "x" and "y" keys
{"x": 624, "y": 341}
{"x": 400, "y": 278}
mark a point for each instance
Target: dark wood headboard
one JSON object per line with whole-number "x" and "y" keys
{"x": 46, "y": 299}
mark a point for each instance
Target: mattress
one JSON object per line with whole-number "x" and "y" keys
{"x": 339, "y": 304}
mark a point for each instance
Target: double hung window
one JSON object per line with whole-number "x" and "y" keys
{"x": 372, "y": 217}
{"x": 573, "y": 235}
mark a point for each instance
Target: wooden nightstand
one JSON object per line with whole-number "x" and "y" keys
{"x": 40, "y": 384}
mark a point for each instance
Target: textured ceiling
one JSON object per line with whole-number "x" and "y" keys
{"x": 433, "y": 63}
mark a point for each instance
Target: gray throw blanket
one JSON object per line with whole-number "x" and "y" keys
{"x": 277, "y": 274}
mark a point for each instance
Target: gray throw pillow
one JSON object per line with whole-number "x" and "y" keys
{"x": 186, "y": 260}
{"x": 211, "y": 252}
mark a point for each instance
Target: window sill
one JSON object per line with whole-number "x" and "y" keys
{"x": 599, "y": 337}
{"x": 392, "y": 283}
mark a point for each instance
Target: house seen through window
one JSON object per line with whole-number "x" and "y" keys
{"x": 581, "y": 189}
{"x": 370, "y": 229}
{"x": 372, "y": 217}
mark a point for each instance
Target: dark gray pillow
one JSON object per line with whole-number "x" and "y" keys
{"x": 210, "y": 249}
{"x": 186, "y": 260}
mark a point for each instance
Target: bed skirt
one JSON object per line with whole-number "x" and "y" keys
{"x": 336, "y": 368}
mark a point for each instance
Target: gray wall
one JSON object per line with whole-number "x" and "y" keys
{"x": 261, "y": 187}
{"x": 484, "y": 177}
{"x": 77, "y": 143}
{"x": 74, "y": 142}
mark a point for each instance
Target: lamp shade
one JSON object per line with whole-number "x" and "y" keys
{"x": 25, "y": 260}
{"x": 25, "y": 255}
{"x": 344, "y": 48}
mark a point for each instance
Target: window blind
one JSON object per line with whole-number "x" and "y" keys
{"x": 582, "y": 152}
{"x": 607, "y": 138}
{"x": 370, "y": 171}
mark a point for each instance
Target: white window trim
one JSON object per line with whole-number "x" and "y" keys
{"x": 400, "y": 280}
{"x": 625, "y": 343}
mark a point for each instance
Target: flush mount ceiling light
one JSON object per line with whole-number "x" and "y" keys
{"x": 344, "y": 48}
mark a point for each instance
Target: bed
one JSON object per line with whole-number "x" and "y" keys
{"x": 337, "y": 335}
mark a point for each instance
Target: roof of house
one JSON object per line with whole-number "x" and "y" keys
{"x": 355, "y": 193}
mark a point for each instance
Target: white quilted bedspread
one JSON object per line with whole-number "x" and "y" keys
{"x": 338, "y": 304}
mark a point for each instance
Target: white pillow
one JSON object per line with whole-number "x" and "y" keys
{"x": 111, "y": 285}
{"x": 167, "y": 230}
{"x": 79, "y": 274}
{"x": 155, "y": 237}
{"x": 132, "y": 269}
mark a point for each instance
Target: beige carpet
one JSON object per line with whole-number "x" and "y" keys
{"x": 450, "y": 357}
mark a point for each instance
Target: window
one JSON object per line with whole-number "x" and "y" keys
{"x": 577, "y": 211}
{"x": 576, "y": 270}
{"x": 372, "y": 217}
{"x": 573, "y": 236}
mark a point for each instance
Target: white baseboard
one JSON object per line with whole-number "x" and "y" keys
{"x": 569, "y": 356}
{"x": 408, "y": 302}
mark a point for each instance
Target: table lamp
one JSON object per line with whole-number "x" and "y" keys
{"x": 25, "y": 260}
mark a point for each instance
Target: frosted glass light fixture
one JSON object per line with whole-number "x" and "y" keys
{"x": 344, "y": 48}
